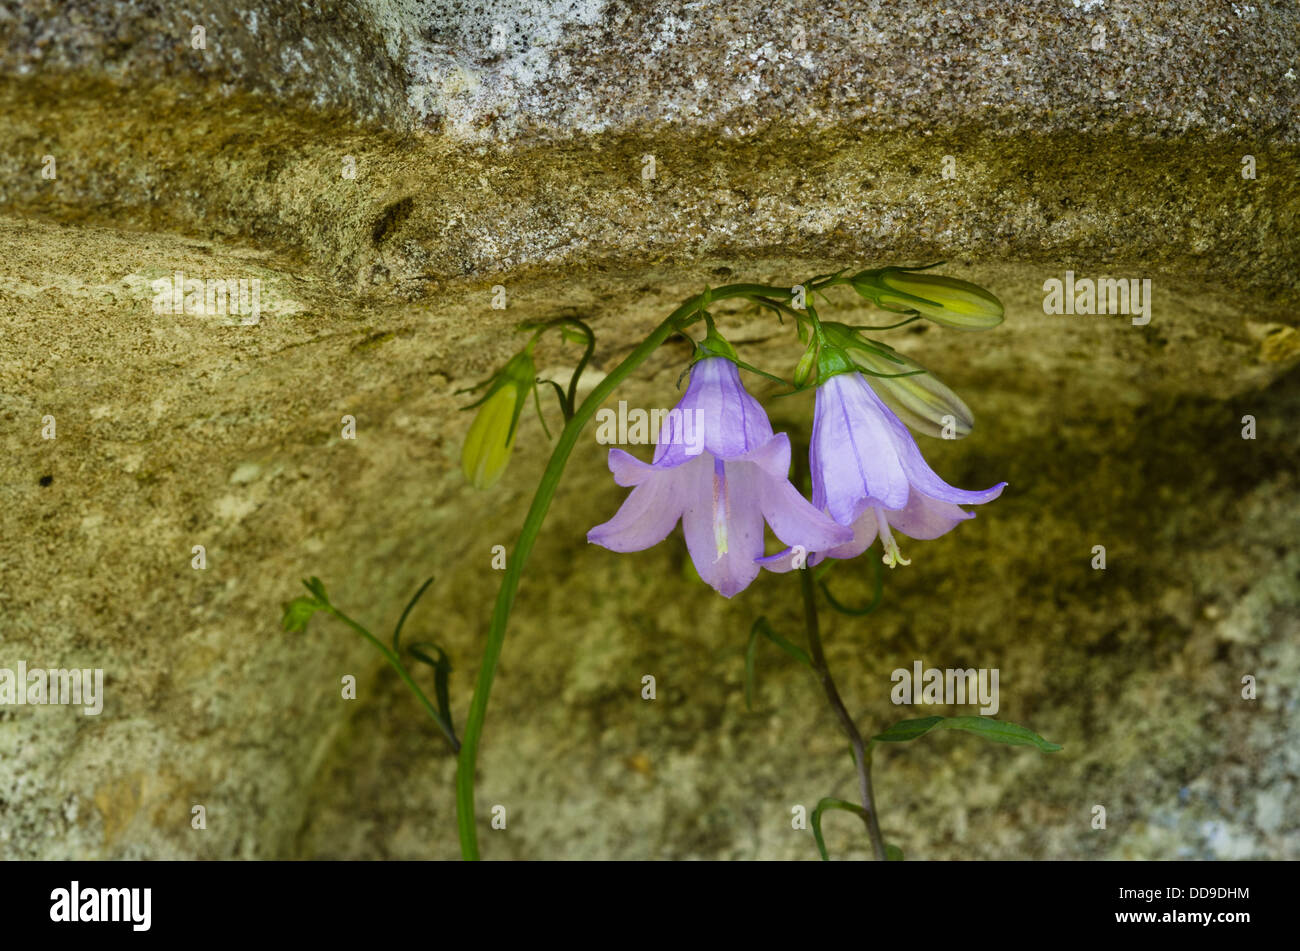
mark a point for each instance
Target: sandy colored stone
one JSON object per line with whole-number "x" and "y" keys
{"x": 522, "y": 167}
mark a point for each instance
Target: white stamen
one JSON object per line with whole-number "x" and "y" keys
{"x": 720, "y": 510}
{"x": 892, "y": 556}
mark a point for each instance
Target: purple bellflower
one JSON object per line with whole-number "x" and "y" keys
{"x": 868, "y": 473}
{"x": 722, "y": 487}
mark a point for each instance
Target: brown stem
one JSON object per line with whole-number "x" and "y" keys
{"x": 841, "y": 714}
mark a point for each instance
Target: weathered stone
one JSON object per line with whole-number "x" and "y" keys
{"x": 523, "y": 166}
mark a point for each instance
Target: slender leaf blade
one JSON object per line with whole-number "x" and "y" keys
{"x": 1000, "y": 731}
{"x": 761, "y": 626}
{"x": 905, "y": 730}
{"x": 830, "y": 803}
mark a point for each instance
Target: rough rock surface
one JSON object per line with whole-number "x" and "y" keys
{"x": 506, "y": 144}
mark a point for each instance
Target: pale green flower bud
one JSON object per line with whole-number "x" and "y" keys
{"x": 945, "y": 300}
{"x": 491, "y": 436}
{"x": 807, "y": 365}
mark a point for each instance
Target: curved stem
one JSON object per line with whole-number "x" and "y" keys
{"x": 571, "y": 398}
{"x": 397, "y": 631}
{"x": 514, "y": 568}
{"x": 860, "y": 754}
{"x": 677, "y": 320}
{"x": 395, "y": 661}
{"x": 876, "y": 596}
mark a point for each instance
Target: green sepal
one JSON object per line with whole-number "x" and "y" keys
{"x": 716, "y": 345}
{"x": 298, "y": 612}
{"x": 848, "y": 338}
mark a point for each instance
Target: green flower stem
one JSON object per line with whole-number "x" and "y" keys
{"x": 861, "y": 755}
{"x": 680, "y": 318}
{"x": 397, "y": 665}
{"x": 590, "y": 348}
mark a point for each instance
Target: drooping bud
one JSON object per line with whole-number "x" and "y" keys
{"x": 491, "y": 436}
{"x": 945, "y": 300}
{"x": 807, "y": 366}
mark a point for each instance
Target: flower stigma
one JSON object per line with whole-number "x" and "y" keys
{"x": 892, "y": 556}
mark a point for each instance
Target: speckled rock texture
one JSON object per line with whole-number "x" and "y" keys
{"x": 380, "y": 167}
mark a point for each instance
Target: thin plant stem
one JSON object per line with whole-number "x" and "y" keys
{"x": 861, "y": 757}
{"x": 395, "y": 661}
{"x": 546, "y": 488}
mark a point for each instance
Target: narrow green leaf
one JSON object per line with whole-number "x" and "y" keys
{"x": 441, "y": 676}
{"x": 397, "y": 631}
{"x": 893, "y": 853}
{"x": 761, "y": 626}
{"x": 749, "y": 663}
{"x": 753, "y": 369}
{"x": 999, "y": 731}
{"x": 905, "y": 730}
{"x": 537, "y": 405}
{"x": 829, "y": 803}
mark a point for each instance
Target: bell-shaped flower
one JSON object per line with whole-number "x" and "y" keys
{"x": 917, "y": 397}
{"x": 868, "y": 473}
{"x": 721, "y": 470}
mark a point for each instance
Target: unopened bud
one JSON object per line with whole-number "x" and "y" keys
{"x": 945, "y": 300}
{"x": 491, "y": 436}
{"x": 806, "y": 367}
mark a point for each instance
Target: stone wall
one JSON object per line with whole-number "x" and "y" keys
{"x": 506, "y": 146}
